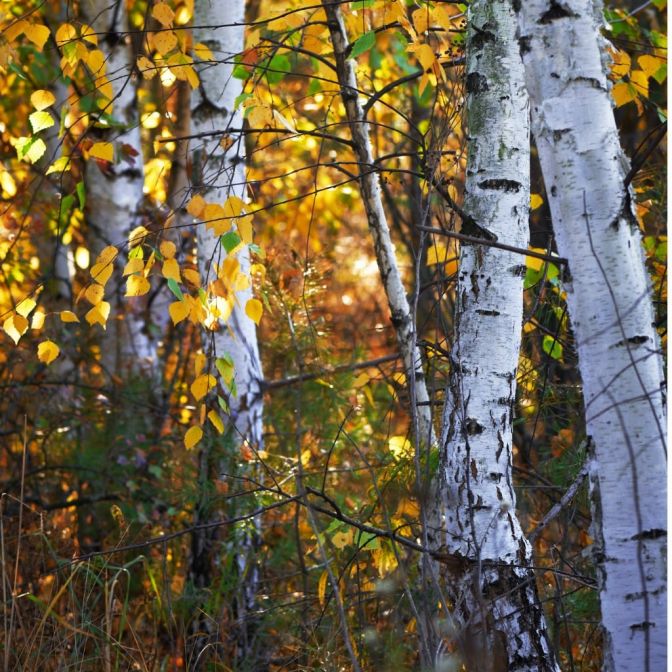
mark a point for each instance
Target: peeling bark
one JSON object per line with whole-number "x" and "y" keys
{"x": 609, "y": 302}
{"x": 492, "y": 579}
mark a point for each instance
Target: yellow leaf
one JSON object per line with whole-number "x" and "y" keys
{"x": 425, "y": 54}
{"x": 196, "y": 206}
{"x": 400, "y": 446}
{"x": 192, "y": 277}
{"x": 254, "y": 310}
{"x": 534, "y": 263}
{"x": 65, "y": 33}
{"x": 68, "y": 316}
{"x": 107, "y": 255}
{"x": 192, "y": 437}
{"x": 163, "y": 14}
{"x": 640, "y": 80}
{"x": 134, "y": 266}
{"x": 103, "y": 151}
{"x": 650, "y": 64}
{"x": 37, "y": 34}
{"x": 214, "y": 418}
{"x": 82, "y": 257}
{"x": 137, "y": 285}
{"x": 171, "y": 270}
{"x": 623, "y": 93}
{"x": 178, "y": 311}
{"x": 536, "y": 201}
{"x": 620, "y": 63}
{"x": 98, "y": 314}
{"x": 7, "y": 183}
{"x": 38, "y": 319}
{"x": 202, "y": 385}
{"x": 244, "y": 225}
{"x": 200, "y": 361}
{"x": 15, "y": 326}
{"x": 25, "y": 307}
{"x": 47, "y": 351}
{"x": 202, "y": 52}
{"x": 437, "y": 254}
{"x": 14, "y": 30}
{"x": 146, "y": 67}
{"x": 94, "y": 293}
{"x": 42, "y": 99}
{"x": 61, "y": 165}
{"x": 165, "y": 42}
{"x": 322, "y": 587}
{"x": 167, "y": 249}
{"x": 88, "y": 34}
{"x": 137, "y": 236}
{"x": 421, "y": 19}
{"x": 40, "y": 120}
{"x": 30, "y": 149}
{"x": 102, "y": 271}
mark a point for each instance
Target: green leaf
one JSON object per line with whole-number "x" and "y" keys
{"x": 552, "y": 347}
{"x": 240, "y": 72}
{"x": 230, "y": 240}
{"x": 175, "y": 289}
{"x": 81, "y": 194}
{"x": 64, "y": 212}
{"x": 363, "y": 43}
{"x": 278, "y": 67}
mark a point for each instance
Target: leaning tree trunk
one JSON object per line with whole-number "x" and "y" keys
{"x": 490, "y": 573}
{"x": 218, "y": 174}
{"x": 609, "y": 302}
{"x": 402, "y": 317}
{"x": 114, "y": 192}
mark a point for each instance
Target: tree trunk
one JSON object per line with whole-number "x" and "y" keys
{"x": 608, "y": 296}
{"x": 402, "y": 319}
{"x": 219, "y": 173}
{"x": 114, "y": 194}
{"x": 490, "y": 574}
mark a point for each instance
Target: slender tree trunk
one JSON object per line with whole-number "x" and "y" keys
{"x": 114, "y": 194}
{"x": 402, "y": 319}
{"x": 219, "y": 173}
{"x": 491, "y": 575}
{"x": 609, "y": 302}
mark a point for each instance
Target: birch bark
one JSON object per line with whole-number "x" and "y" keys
{"x": 491, "y": 576}
{"x": 609, "y": 302}
{"x": 369, "y": 183}
{"x": 114, "y": 196}
{"x": 219, "y": 173}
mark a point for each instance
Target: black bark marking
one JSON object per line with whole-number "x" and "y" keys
{"x": 492, "y": 313}
{"x": 476, "y": 83}
{"x": 510, "y": 186}
{"x": 556, "y": 11}
{"x": 654, "y": 533}
{"x": 473, "y": 427}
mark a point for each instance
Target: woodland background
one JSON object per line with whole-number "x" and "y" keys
{"x": 104, "y": 478}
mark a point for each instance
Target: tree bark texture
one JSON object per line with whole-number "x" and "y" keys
{"x": 218, "y": 172}
{"x": 114, "y": 193}
{"x": 491, "y": 580}
{"x": 608, "y": 295}
{"x": 402, "y": 318}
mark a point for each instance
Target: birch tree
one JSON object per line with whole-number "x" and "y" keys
{"x": 490, "y": 574}
{"x": 218, "y": 175}
{"x": 114, "y": 192}
{"x": 610, "y": 308}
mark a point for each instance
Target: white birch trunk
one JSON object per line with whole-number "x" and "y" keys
{"x": 218, "y": 174}
{"x": 114, "y": 197}
{"x": 401, "y": 316}
{"x": 610, "y": 307}
{"x": 490, "y": 574}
